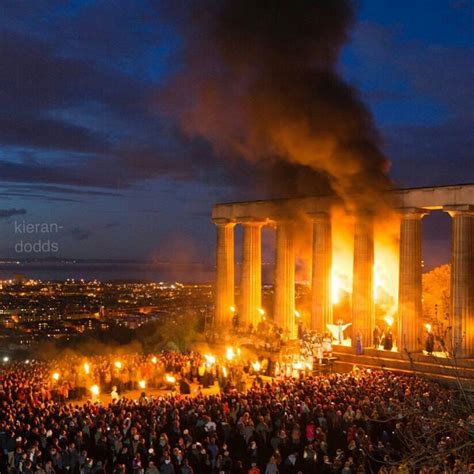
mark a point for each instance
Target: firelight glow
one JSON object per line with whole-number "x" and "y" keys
{"x": 389, "y": 320}
{"x": 170, "y": 378}
{"x": 230, "y": 354}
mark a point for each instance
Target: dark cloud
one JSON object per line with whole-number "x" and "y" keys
{"x": 49, "y": 134}
{"x": 60, "y": 190}
{"x": 83, "y": 123}
{"x": 35, "y": 197}
{"x": 427, "y": 154}
{"x": 429, "y": 148}
{"x": 111, "y": 225}
{"x": 6, "y": 213}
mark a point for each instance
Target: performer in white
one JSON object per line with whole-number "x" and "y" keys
{"x": 337, "y": 330}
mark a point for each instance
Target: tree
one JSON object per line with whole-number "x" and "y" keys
{"x": 178, "y": 330}
{"x": 436, "y": 297}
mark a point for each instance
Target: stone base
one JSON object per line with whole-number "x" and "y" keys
{"x": 438, "y": 368}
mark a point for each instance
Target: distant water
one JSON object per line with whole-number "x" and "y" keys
{"x": 50, "y": 271}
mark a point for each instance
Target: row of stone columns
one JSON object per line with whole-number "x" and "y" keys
{"x": 410, "y": 324}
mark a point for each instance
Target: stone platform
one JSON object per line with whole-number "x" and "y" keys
{"x": 439, "y": 368}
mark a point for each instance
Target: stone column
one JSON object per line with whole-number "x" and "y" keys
{"x": 224, "y": 289}
{"x": 363, "y": 312}
{"x": 462, "y": 280}
{"x": 251, "y": 284}
{"x": 321, "y": 284}
{"x": 284, "y": 304}
{"x": 410, "y": 324}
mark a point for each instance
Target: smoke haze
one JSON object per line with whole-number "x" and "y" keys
{"x": 260, "y": 82}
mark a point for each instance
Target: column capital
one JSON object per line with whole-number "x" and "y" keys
{"x": 222, "y": 221}
{"x": 283, "y": 218}
{"x": 254, "y": 221}
{"x": 414, "y": 213}
{"x": 459, "y": 209}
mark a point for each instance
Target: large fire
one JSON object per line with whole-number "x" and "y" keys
{"x": 385, "y": 276}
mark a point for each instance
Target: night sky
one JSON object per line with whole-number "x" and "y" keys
{"x": 85, "y": 142}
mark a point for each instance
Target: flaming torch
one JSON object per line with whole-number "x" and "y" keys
{"x": 56, "y": 376}
{"x": 229, "y": 353}
{"x": 87, "y": 368}
{"x": 256, "y": 366}
{"x": 95, "y": 390}
{"x": 118, "y": 364}
{"x": 142, "y": 384}
{"x": 170, "y": 378}
{"x": 210, "y": 359}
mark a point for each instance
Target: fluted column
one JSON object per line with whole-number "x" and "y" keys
{"x": 363, "y": 313}
{"x": 284, "y": 311}
{"x": 462, "y": 280}
{"x": 321, "y": 292}
{"x": 410, "y": 290}
{"x": 251, "y": 286}
{"x": 224, "y": 289}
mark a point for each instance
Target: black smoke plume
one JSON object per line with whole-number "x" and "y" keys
{"x": 259, "y": 81}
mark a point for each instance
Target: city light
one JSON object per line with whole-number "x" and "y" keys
{"x": 6, "y": 359}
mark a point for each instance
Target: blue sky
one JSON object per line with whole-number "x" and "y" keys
{"x": 85, "y": 143}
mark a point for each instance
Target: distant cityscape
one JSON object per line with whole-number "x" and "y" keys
{"x": 34, "y": 311}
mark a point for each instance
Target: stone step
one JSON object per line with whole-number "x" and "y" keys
{"x": 414, "y": 356}
{"x": 451, "y": 375}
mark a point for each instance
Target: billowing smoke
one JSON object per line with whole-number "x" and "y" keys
{"x": 260, "y": 82}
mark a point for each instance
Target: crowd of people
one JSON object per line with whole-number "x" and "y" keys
{"x": 338, "y": 423}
